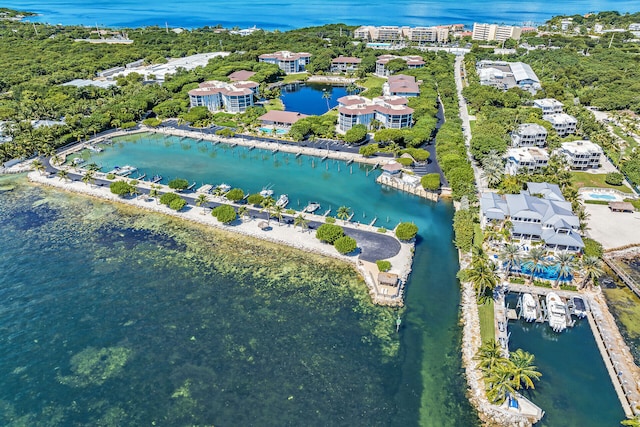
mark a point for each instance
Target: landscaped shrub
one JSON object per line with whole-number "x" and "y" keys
{"x": 541, "y": 284}
{"x": 330, "y": 220}
{"x": 431, "y": 181}
{"x": 463, "y": 221}
{"x": 224, "y": 213}
{"x": 235, "y": 194}
{"x": 329, "y": 233}
{"x": 383, "y": 265}
{"x": 356, "y": 134}
{"x": 255, "y": 199}
{"x": 167, "y": 198}
{"x": 405, "y": 161}
{"x": 177, "y": 204}
{"x": 345, "y": 244}
{"x": 111, "y": 176}
{"x": 592, "y": 247}
{"x": 517, "y": 280}
{"x": 178, "y": 184}
{"x": 382, "y": 230}
{"x": 568, "y": 287}
{"x": 406, "y": 231}
{"x": 614, "y": 178}
{"x": 418, "y": 154}
{"x": 368, "y": 150}
{"x": 121, "y": 188}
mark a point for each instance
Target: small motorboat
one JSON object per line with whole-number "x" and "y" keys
{"x": 529, "y": 308}
{"x": 579, "y": 307}
{"x": 266, "y": 192}
{"x": 312, "y": 207}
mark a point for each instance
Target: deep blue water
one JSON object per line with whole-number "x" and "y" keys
{"x": 308, "y": 98}
{"x": 288, "y": 14}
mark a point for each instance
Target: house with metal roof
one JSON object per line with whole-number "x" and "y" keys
{"x": 548, "y": 219}
{"x": 529, "y": 135}
{"x": 505, "y": 75}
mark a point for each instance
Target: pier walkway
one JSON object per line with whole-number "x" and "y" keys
{"x": 401, "y": 185}
{"x": 623, "y": 275}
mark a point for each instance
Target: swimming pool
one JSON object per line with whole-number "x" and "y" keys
{"x": 270, "y": 131}
{"x": 378, "y": 44}
{"x": 548, "y": 272}
{"x": 597, "y": 196}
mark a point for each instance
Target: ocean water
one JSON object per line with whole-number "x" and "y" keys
{"x": 430, "y": 389}
{"x": 287, "y": 14}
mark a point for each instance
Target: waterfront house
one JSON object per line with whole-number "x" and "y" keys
{"x": 581, "y": 154}
{"x": 289, "y": 62}
{"x": 401, "y": 85}
{"x": 525, "y": 159}
{"x": 529, "y": 135}
{"x": 392, "y": 168}
{"x": 563, "y": 123}
{"x": 221, "y": 96}
{"x": 548, "y": 106}
{"x": 547, "y": 219}
{"x": 280, "y": 118}
{"x": 413, "y": 61}
{"x": 343, "y": 64}
{"x": 390, "y": 111}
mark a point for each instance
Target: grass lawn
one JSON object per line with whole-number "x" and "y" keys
{"x": 332, "y": 112}
{"x": 274, "y": 104}
{"x": 584, "y": 179}
{"x": 487, "y": 326}
{"x": 372, "y": 85}
{"x": 295, "y": 77}
{"x": 472, "y": 125}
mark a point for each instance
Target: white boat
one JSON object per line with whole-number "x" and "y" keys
{"x": 126, "y": 170}
{"x": 224, "y": 187}
{"x": 312, "y": 207}
{"x": 579, "y": 307}
{"x": 282, "y": 201}
{"x": 266, "y": 192}
{"x": 529, "y": 308}
{"x": 557, "y": 312}
{"x": 95, "y": 148}
{"x": 205, "y": 188}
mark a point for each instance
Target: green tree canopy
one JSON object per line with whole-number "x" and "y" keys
{"x": 121, "y": 188}
{"x": 345, "y": 244}
{"x": 329, "y": 233}
{"x": 178, "y": 184}
{"x": 406, "y": 231}
{"x": 224, "y": 213}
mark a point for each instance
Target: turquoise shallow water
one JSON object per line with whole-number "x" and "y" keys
{"x": 286, "y": 14}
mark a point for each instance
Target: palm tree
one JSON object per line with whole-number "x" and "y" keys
{"x": 489, "y": 355}
{"x": 591, "y": 268}
{"x": 536, "y": 261}
{"x": 55, "y": 159}
{"x": 301, "y": 221}
{"x": 326, "y": 95}
{"x": 38, "y": 165}
{"x": 483, "y": 275}
{"x": 510, "y": 257}
{"x": 351, "y": 88}
{"x": 565, "y": 266}
{"x": 267, "y": 205}
{"x": 63, "y": 175}
{"x": 632, "y": 422}
{"x": 88, "y": 177}
{"x": 500, "y": 383}
{"x": 343, "y": 213}
{"x": 202, "y": 200}
{"x": 277, "y": 212}
{"x": 523, "y": 369}
{"x": 243, "y": 211}
{"x": 153, "y": 192}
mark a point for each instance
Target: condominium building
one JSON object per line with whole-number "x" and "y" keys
{"x": 289, "y": 62}
{"x": 427, "y": 34}
{"x": 525, "y": 159}
{"x": 401, "y": 85}
{"x": 563, "y": 123}
{"x": 344, "y": 64}
{"x": 490, "y": 32}
{"x": 529, "y": 135}
{"x": 413, "y": 61}
{"x": 581, "y": 154}
{"x": 548, "y": 106}
{"x": 230, "y": 97}
{"x": 415, "y": 34}
{"x": 391, "y": 111}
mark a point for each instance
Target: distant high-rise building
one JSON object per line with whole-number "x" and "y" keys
{"x": 490, "y": 32}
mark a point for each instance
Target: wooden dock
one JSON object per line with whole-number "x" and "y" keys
{"x": 623, "y": 275}
{"x": 398, "y": 184}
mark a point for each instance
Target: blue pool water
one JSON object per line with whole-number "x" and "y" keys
{"x": 596, "y": 196}
{"x": 378, "y": 44}
{"x": 270, "y": 131}
{"x": 547, "y": 272}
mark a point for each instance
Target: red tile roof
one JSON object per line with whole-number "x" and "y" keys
{"x": 288, "y": 117}
{"x": 346, "y": 60}
{"x": 241, "y": 75}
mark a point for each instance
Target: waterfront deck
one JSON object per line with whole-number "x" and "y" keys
{"x": 399, "y": 184}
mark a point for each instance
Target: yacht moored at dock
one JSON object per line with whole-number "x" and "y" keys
{"x": 206, "y": 188}
{"x": 126, "y": 170}
{"x": 282, "y": 201}
{"x": 557, "y": 312}
{"x": 529, "y": 308}
{"x": 579, "y": 307}
{"x": 224, "y": 188}
{"x": 266, "y": 192}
